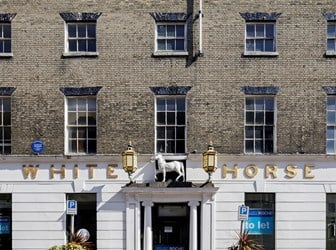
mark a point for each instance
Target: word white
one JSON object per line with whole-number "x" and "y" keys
{"x": 270, "y": 170}
{"x": 32, "y": 171}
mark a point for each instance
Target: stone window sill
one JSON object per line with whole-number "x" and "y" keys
{"x": 6, "y": 55}
{"x": 80, "y": 54}
{"x": 260, "y": 54}
{"x": 170, "y": 53}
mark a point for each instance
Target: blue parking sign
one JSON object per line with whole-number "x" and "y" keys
{"x": 71, "y": 207}
{"x": 243, "y": 212}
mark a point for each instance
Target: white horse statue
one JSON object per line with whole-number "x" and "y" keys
{"x": 164, "y": 167}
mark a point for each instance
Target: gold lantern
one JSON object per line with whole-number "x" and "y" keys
{"x": 210, "y": 161}
{"x": 129, "y": 161}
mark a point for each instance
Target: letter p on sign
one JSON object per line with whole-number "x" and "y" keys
{"x": 243, "y": 212}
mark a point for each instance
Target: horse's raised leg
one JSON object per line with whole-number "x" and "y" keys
{"x": 164, "y": 175}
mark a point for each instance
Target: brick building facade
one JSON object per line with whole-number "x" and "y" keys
{"x": 257, "y": 78}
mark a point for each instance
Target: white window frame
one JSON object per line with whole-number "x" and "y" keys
{"x": 331, "y": 52}
{"x": 331, "y": 124}
{"x": 3, "y": 39}
{"x": 260, "y": 125}
{"x": 171, "y": 52}
{"x": 67, "y": 52}
{"x": 176, "y": 125}
{"x": 4, "y": 127}
{"x": 263, "y": 38}
{"x": 68, "y": 126}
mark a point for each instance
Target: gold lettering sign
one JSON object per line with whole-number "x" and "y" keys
{"x": 30, "y": 170}
{"x": 234, "y": 171}
{"x": 308, "y": 171}
{"x": 91, "y": 170}
{"x": 54, "y": 171}
{"x": 271, "y": 169}
{"x": 251, "y": 171}
{"x": 291, "y": 171}
{"x": 110, "y": 171}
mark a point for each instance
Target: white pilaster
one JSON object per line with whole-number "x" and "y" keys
{"x": 193, "y": 225}
{"x": 148, "y": 232}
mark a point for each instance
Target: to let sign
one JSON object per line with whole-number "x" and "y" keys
{"x": 243, "y": 212}
{"x": 71, "y": 207}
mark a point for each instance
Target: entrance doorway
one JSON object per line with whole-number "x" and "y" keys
{"x": 171, "y": 226}
{"x": 86, "y": 214}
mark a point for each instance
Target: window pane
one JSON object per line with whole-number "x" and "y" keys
{"x": 7, "y": 118}
{"x": 91, "y": 118}
{"x": 249, "y": 45}
{"x": 81, "y": 104}
{"x": 72, "y": 133}
{"x": 260, "y": 30}
{"x": 161, "y": 118}
{"x": 180, "y": 146}
{"x": 180, "y": 104}
{"x": 259, "y": 146}
{"x": 160, "y": 104}
{"x": 91, "y": 29}
{"x": 270, "y": 30}
{"x": 331, "y": 132}
{"x": 92, "y": 45}
{"x": 160, "y": 133}
{"x": 73, "y": 45}
{"x": 249, "y": 104}
{"x": 259, "y": 45}
{"x": 72, "y": 104}
{"x": 180, "y": 45}
{"x": 170, "y": 30}
{"x": 249, "y": 146}
{"x": 7, "y": 31}
{"x": 269, "y": 104}
{"x": 249, "y": 132}
{"x": 82, "y": 118}
{"x": 91, "y": 104}
{"x": 331, "y": 104}
{"x": 92, "y": 146}
{"x": 81, "y": 30}
{"x": 7, "y": 133}
{"x": 92, "y": 133}
{"x": 6, "y": 105}
{"x": 331, "y": 30}
{"x": 160, "y": 146}
{"x": 331, "y": 117}
{"x": 170, "y": 44}
{"x": 73, "y": 146}
{"x": 170, "y": 147}
{"x": 269, "y": 45}
{"x": 331, "y": 44}
{"x": 170, "y": 104}
{"x": 250, "y": 30}
{"x": 7, "y": 46}
{"x": 249, "y": 117}
{"x": 180, "y": 134}
{"x": 2, "y": 46}
{"x": 161, "y": 44}
{"x": 269, "y": 146}
{"x": 81, "y": 45}
{"x": 81, "y": 146}
{"x": 259, "y": 132}
{"x": 72, "y": 118}
{"x": 171, "y": 118}
{"x": 81, "y": 133}
{"x": 171, "y": 133}
{"x": 269, "y": 118}
{"x": 179, "y": 30}
{"x": 180, "y": 118}
{"x": 72, "y": 30}
{"x": 259, "y": 118}
{"x": 269, "y": 132}
{"x": 330, "y": 146}
{"x": 161, "y": 30}
{"x": 260, "y": 104}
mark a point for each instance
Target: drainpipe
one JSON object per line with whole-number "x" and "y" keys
{"x": 200, "y": 16}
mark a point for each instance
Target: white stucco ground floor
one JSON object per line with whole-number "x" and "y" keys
{"x": 291, "y": 200}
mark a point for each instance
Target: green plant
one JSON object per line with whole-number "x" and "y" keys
{"x": 246, "y": 243}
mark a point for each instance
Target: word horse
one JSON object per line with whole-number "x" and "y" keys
{"x": 173, "y": 166}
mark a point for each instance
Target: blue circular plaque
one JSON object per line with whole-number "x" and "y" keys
{"x": 37, "y": 147}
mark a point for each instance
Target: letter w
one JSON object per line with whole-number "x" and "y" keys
{"x": 30, "y": 170}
